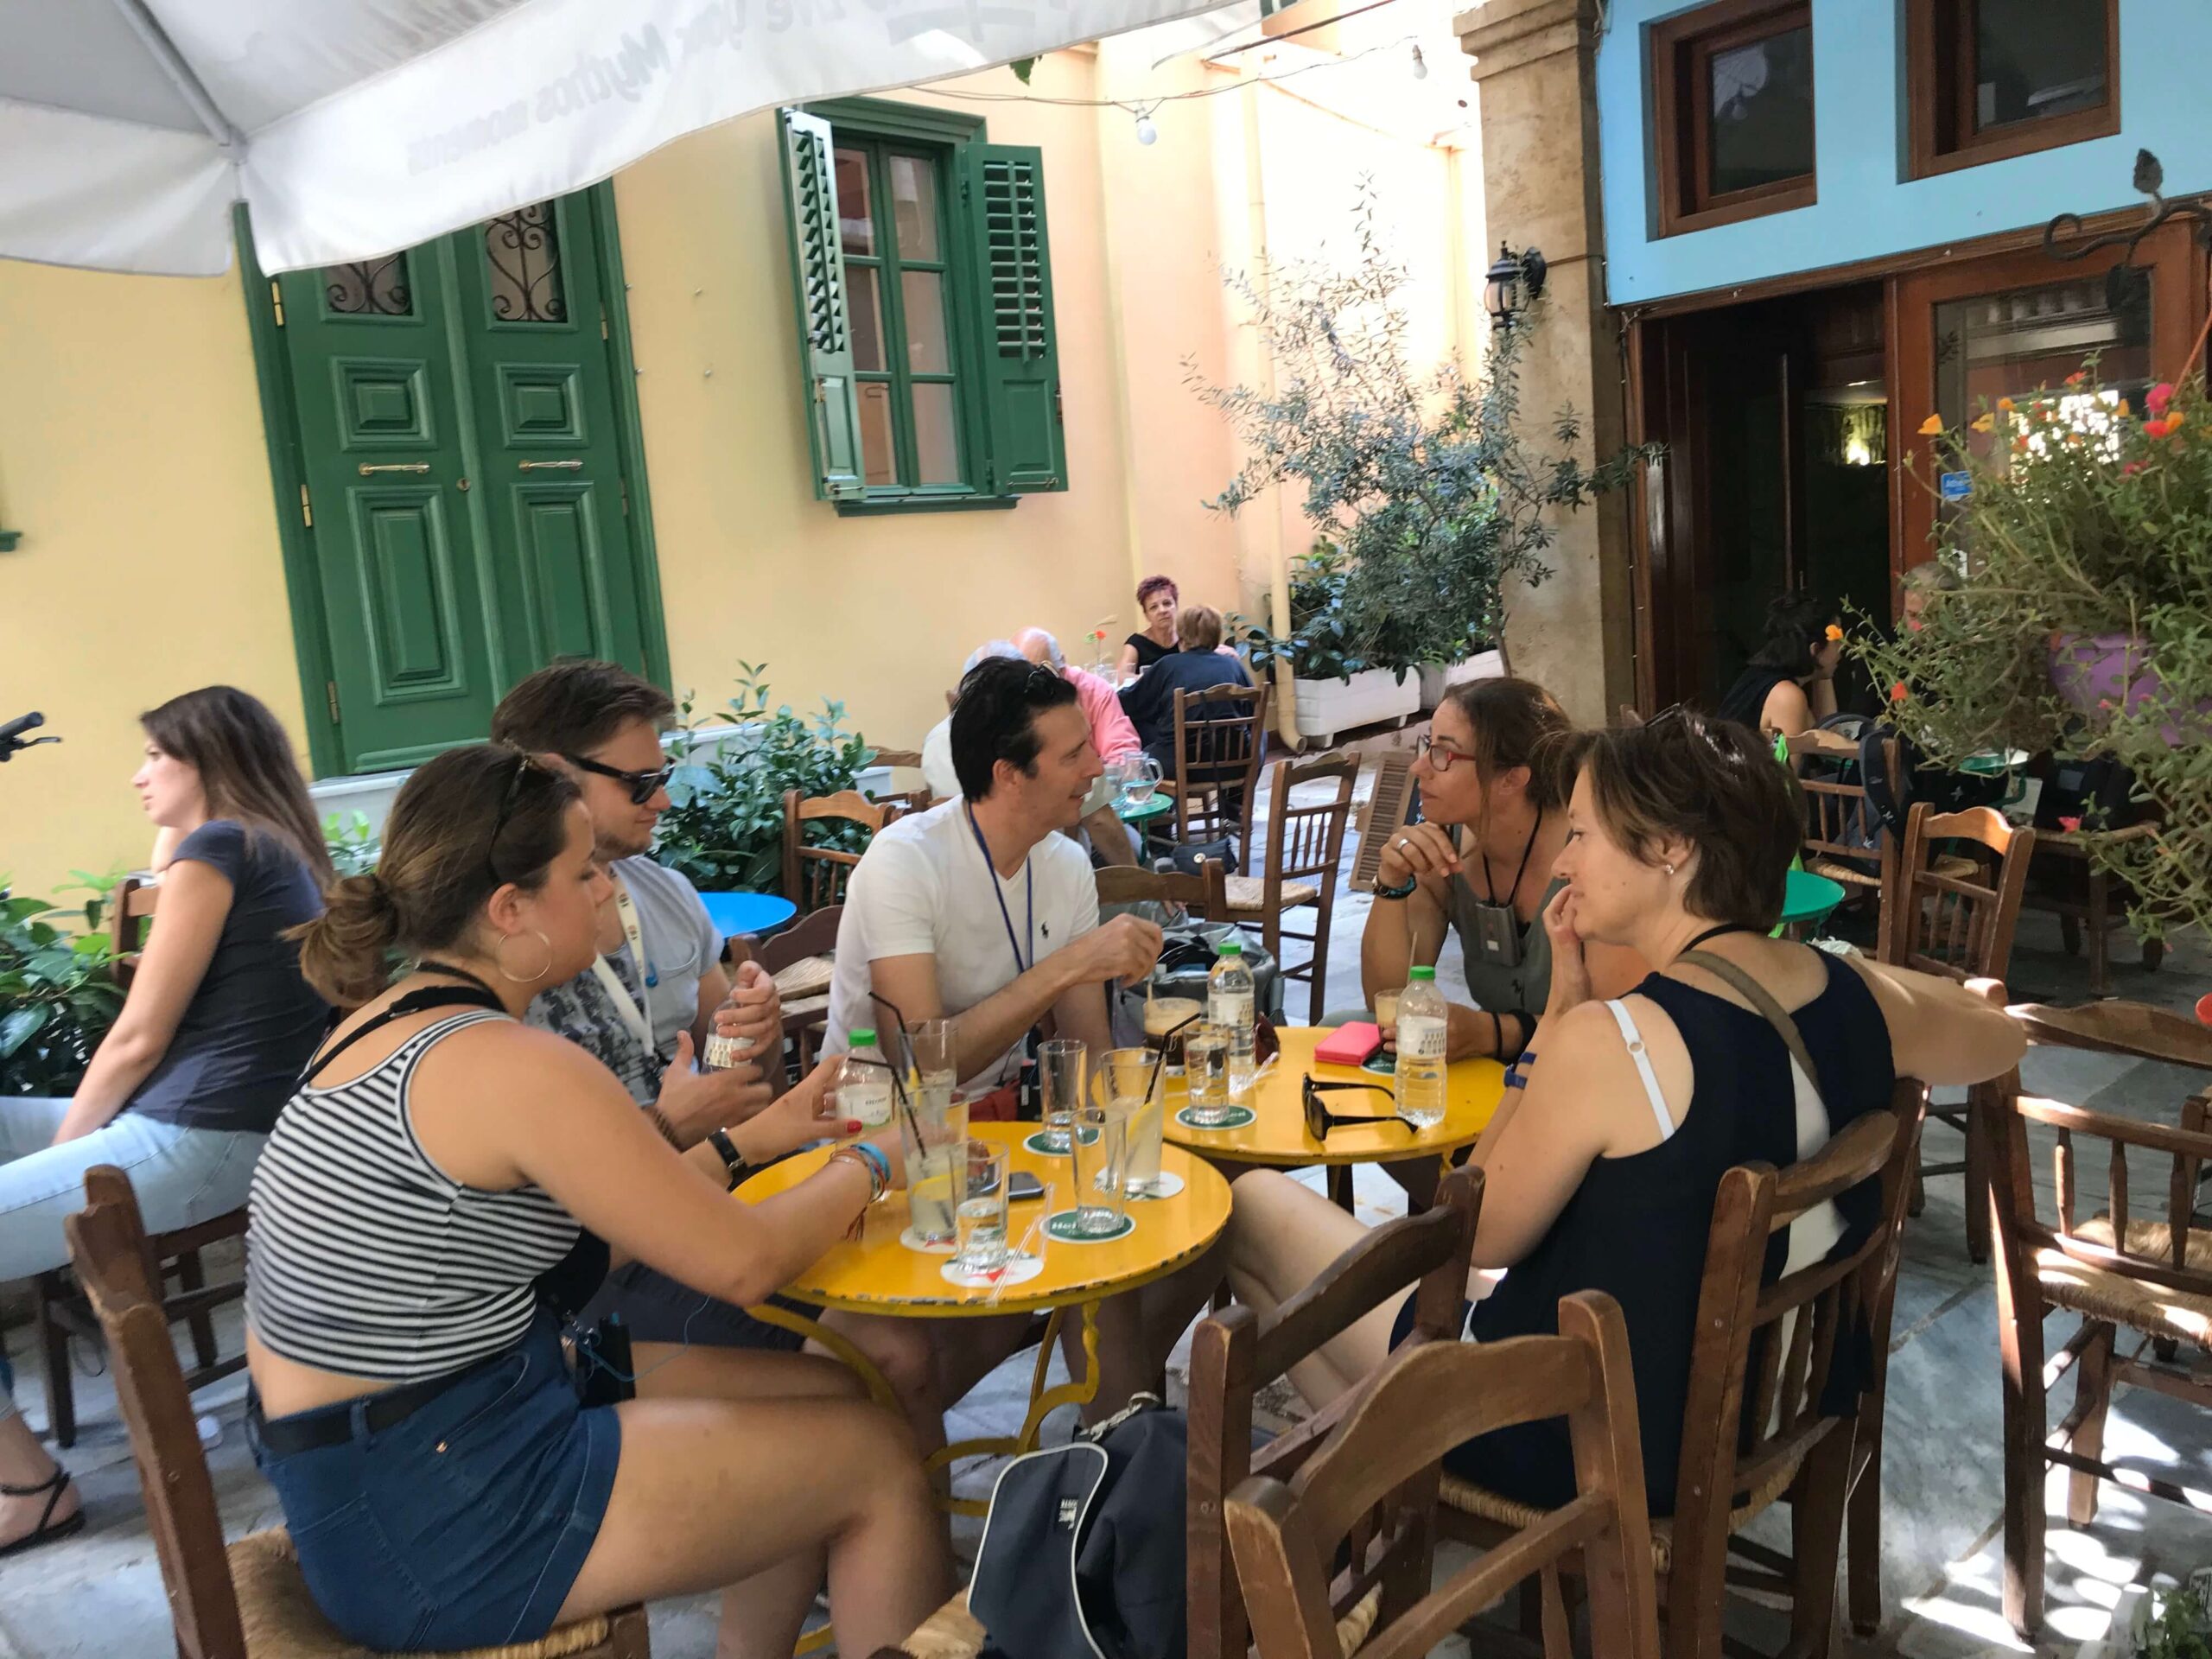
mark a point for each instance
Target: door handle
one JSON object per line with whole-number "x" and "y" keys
{"x": 551, "y": 466}
{"x": 395, "y": 466}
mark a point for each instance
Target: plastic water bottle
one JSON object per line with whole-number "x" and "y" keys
{"x": 864, "y": 1082}
{"x": 1229, "y": 1004}
{"x": 1421, "y": 1049}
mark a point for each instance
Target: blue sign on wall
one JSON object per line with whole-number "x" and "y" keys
{"x": 1955, "y": 486}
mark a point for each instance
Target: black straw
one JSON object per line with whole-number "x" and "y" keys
{"x": 1152, "y": 1082}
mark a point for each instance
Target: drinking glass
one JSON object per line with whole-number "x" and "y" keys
{"x": 1386, "y": 1011}
{"x": 983, "y": 1208}
{"x": 937, "y": 1058}
{"x": 933, "y": 1163}
{"x": 1061, "y": 1064}
{"x": 1162, "y": 1015}
{"x": 1128, "y": 1081}
{"x": 1144, "y": 778}
{"x": 1205, "y": 1061}
{"x": 1101, "y": 1163}
{"x": 1117, "y": 780}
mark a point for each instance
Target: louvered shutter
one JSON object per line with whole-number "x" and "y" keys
{"x": 1002, "y": 189}
{"x": 825, "y": 338}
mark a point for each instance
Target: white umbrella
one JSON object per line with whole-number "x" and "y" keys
{"x": 355, "y": 128}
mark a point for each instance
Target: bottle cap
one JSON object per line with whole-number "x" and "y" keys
{"x": 862, "y": 1037}
{"x": 1231, "y": 947}
{"x": 1411, "y": 973}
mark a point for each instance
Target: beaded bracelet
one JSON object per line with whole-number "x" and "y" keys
{"x": 846, "y": 1155}
{"x": 879, "y": 1165}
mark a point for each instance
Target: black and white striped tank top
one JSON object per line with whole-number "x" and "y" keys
{"x": 364, "y": 1257}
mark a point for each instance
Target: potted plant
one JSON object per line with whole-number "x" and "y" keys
{"x": 58, "y": 993}
{"x": 2084, "y": 622}
{"x": 1340, "y": 680}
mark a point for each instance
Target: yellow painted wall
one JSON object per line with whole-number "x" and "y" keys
{"x": 131, "y": 458}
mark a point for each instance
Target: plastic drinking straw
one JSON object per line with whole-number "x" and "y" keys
{"x": 1161, "y": 1059}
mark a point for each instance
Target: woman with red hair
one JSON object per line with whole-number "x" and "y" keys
{"x": 1158, "y": 599}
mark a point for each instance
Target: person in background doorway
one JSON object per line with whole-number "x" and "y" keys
{"x": 1111, "y": 735}
{"x": 1158, "y": 599}
{"x": 1788, "y": 686}
{"x": 1921, "y": 584}
{"x": 1198, "y": 665}
{"x": 182, "y": 1091}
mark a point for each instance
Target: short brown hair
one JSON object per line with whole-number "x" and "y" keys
{"x": 573, "y": 705}
{"x": 1198, "y": 628}
{"x": 1517, "y": 723}
{"x": 1712, "y": 784}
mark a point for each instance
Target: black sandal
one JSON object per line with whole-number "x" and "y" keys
{"x": 48, "y": 1529}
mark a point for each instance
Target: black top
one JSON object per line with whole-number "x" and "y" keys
{"x": 1746, "y": 699}
{"x": 1150, "y": 702}
{"x": 1149, "y": 650}
{"x": 252, "y": 1022}
{"x": 1636, "y": 1226}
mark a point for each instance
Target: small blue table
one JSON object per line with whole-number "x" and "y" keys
{"x": 758, "y": 913}
{"x": 1808, "y": 900}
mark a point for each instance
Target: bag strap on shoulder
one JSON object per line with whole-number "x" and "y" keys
{"x": 1762, "y": 1003}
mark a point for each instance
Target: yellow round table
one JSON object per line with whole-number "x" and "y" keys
{"x": 875, "y": 1274}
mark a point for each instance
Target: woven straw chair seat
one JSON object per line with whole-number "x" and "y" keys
{"x": 1849, "y": 874}
{"x": 951, "y": 1632}
{"x": 2101, "y": 1294}
{"x": 282, "y": 1621}
{"x": 1249, "y": 893}
{"x": 1471, "y": 1499}
{"x": 808, "y": 976}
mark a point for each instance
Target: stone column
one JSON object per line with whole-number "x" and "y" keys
{"x": 1534, "y": 62}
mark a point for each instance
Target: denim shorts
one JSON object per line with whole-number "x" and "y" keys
{"x": 463, "y": 1525}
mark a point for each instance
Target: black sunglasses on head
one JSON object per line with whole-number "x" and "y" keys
{"x": 642, "y": 786}
{"x": 1319, "y": 1120}
{"x": 525, "y": 766}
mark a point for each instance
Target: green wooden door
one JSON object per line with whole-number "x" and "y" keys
{"x": 460, "y": 442}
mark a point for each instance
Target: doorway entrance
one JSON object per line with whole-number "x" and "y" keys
{"x": 456, "y": 424}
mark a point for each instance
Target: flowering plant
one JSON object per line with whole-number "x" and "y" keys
{"x": 2086, "y": 527}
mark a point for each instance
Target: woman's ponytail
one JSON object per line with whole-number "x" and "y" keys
{"x": 345, "y": 951}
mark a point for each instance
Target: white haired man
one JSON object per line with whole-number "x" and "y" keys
{"x": 1111, "y": 735}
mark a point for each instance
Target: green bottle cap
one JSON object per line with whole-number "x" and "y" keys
{"x": 863, "y": 1036}
{"x": 1423, "y": 974}
{"x": 1231, "y": 947}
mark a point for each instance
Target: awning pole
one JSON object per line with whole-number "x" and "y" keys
{"x": 148, "y": 29}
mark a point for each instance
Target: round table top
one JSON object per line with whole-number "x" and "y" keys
{"x": 1129, "y": 811}
{"x": 1277, "y": 1133}
{"x": 878, "y": 1274}
{"x": 1809, "y": 898}
{"x": 1991, "y": 764}
{"x": 733, "y": 913}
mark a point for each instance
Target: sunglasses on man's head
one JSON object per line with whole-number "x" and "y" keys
{"x": 642, "y": 786}
{"x": 1319, "y": 1120}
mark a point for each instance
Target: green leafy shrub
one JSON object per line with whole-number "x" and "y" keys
{"x": 58, "y": 993}
{"x": 354, "y": 845}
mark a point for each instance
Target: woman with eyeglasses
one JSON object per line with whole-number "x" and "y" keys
{"x": 429, "y": 1214}
{"x": 183, "y": 1090}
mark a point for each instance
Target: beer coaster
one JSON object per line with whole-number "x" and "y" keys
{"x": 1044, "y": 1148}
{"x": 1020, "y": 1269}
{"x": 1382, "y": 1061}
{"x": 913, "y": 1241}
{"x": 1237, "y": 1117}
{"x": 1062, "y": 1226}
{"x": 1165, "y": 1185}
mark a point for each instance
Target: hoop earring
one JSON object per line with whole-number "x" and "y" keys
{"x": 500, "y": 957}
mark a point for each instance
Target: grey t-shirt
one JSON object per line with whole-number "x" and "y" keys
{"x": 680, "y": 943}
{"x": 252, "y": 1021}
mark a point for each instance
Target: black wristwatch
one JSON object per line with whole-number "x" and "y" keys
{"x": 732, "y": 1159}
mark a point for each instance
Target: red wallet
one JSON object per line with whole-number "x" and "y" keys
{"x": 1351, "y": 1045}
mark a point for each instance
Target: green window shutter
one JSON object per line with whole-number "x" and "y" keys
{"x": 825, "y": 338}
{"x": 1002, "y": 188}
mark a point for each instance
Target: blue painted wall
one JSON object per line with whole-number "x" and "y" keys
{"x": 1867, "y": 207}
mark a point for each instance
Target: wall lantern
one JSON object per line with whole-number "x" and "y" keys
{"x": 1512, "y": 284}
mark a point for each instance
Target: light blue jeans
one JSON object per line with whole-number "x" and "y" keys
{"x": 182, "y": 1176}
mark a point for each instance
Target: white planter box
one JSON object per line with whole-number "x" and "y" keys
{"x": 1374, "y": 695}
{"x": 1436, "y": 678}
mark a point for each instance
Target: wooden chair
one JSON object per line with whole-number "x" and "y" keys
{"x": 1370, "y": 1489}
{"x": 1833, "y": 812}
{"x": 800, "y": 960}
{"x": 2080, "y": 894}
{"x": 815, "y": 874}
{"x": 248, "y": 1599}
{"x": 59, "y": 1312}
{"x": 1221, "y": 734}
{"x": 906, "y": 800}
{"x": 1756, "y": 1429}
{"x": 1389, "y": 804}
{"x": 1305, "y": 842}
{"x": 1237, "y": 1352}
{"x": 1204, "y": 895}
{"x": 1942, "y": 920}
{"x": 2147, "y": 1271}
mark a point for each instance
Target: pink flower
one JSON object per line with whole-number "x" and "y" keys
{"x": 2104, "y": 702}
{"x": 2130, "y": 468}
{"x": 2070, "y": 825}
{"x": 2158, "y": 396}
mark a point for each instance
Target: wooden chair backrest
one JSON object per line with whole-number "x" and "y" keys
{"x": 1205, "y": 894}
{"x": 1387, "y": 805}
{"x": 1383, "y": 1458}
{"x": 1306, "y": 837}
{"x": 1835, "y": 809}
{"x": 107, "y": 1247}
{"x": 129, "y": 911}
{"x": 814, "y": 934}
{"x": 815, "y": 875}
{"x": 1221, "y": 734}
{"x": 911, "y": 758}
{"x": 1958, "y": 925}
{"x": 1236, "y": 1352}
{"x": 1764, "y": 1352}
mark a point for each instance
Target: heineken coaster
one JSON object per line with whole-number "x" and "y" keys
{"x": 1382, "y": 1061}
{"x": 913, "y": 1241}
{"x": 1062, "y": 1226}
{"x": 1165, "y": 1185}
{"x": 1236, "y": 1118}
{"x": 1020, "y": 1269}
{"x": 1044, "y": 1148}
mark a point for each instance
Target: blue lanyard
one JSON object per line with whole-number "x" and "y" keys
{"x": 1029, "y": 876}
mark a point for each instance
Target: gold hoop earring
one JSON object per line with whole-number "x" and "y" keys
{"x": 500, "y": 957}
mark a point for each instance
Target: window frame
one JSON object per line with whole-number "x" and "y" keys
{"x": 1940, "y": 95}
{"x": 1680, "y": 52}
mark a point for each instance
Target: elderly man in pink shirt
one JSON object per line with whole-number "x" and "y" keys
{"x": 1111, "y": 735}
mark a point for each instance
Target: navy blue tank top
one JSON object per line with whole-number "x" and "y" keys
{"x": 1636, "y": 1226}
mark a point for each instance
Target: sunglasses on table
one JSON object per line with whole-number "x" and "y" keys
{"x": 1319, "y": 1120}
{"x": 642, "y": 786}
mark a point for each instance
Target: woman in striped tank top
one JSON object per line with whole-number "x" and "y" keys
{"x": 432, "y": 1201}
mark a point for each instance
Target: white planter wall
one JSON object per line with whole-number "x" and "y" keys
{"x": 1328, "y": 707}
{"x": 1436, "y": 678}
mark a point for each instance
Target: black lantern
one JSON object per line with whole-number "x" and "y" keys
{"x": 1502, "y": 295}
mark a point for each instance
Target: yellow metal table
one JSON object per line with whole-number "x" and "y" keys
{"x": 875, "y": 1274}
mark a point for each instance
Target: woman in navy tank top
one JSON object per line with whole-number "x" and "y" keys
{"x": 1602, "y": 1165}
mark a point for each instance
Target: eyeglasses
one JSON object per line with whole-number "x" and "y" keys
{"x": 642, "y": 786}
{"x": 525, "y": 766}
{"x": 1439, "y": 757}
{"x": 1319, "y": 1120}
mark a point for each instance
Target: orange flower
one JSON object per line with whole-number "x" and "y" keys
{"x": 2020, "y": 445}
{"x": 2005, "y": 403}
{"x": 1835, "y": 634}
{"x": 1897, "y": 692}
{"x": 2121, "y": 409}
{"x": 2174, "y": 420}
{"x": 2074, "y": 378}
{"x": 1931, "y": 426}
{"x": 1984, "y": 423}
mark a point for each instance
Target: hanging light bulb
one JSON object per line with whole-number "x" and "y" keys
{"x": 1147, "y": 133}
{"x": 1420, "y": 64}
